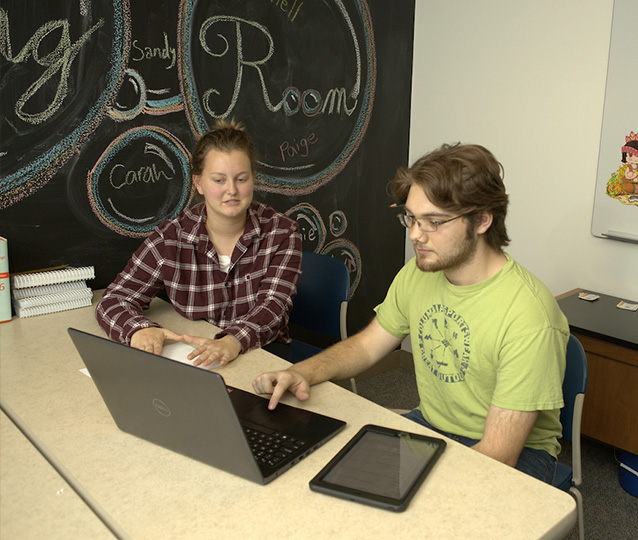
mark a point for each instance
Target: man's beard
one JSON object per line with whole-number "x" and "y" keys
{"x": 462, "y": 255}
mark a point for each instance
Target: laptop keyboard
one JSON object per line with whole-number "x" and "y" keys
{"x": 271, "y": 448}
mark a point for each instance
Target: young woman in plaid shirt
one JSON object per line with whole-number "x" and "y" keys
{"x": 230, "y": 260}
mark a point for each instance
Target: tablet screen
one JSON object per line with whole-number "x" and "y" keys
{"x": 380, "y": 466}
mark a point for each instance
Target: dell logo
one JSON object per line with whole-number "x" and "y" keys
{"x": 161, "y": 407}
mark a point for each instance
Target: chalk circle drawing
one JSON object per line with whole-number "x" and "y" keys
{"x": 346, "y": 251}
{"x": 311, "y": 226}
{"x": 157, "y": 107}
{"x": 131, "y": 99}
{"x": 338, "y": 223}
{"x": 306, "y": 98}
{"x": 141, "y": 179}
{"x": 50, "y": 102}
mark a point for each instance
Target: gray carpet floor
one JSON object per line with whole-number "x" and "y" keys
{"x": 611, "y": 513}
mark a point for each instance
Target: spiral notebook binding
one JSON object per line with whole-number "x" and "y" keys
{"x": 52, "y": 277}
{"x": 52, "y": 308}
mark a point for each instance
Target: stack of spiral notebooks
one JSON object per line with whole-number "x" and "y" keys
{"x": 38, "y": 293}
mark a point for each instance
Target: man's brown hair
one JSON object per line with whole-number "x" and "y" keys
{"x": 464, "y": 179}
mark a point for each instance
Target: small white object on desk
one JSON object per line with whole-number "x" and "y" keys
{"x": 626, "y": 305}
{"x": 175, "y": 351}
{"x": 179, "y": 351}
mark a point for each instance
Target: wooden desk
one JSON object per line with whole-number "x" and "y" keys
{"x": 610, "y": 338}
{"x": 155, "y": 494}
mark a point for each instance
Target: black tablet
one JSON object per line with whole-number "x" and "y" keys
{"x": 380, "y": 466}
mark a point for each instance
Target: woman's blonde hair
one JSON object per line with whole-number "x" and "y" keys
{"x": 226, "y": 136}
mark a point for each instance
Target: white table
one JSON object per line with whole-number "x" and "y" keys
{"x": 35, "y": 501}
{"x": 152, "y": 493}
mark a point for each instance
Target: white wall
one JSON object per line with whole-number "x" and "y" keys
{"x": 527, "y": 81}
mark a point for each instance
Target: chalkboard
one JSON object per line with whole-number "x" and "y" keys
{"x": 102, "y": 101}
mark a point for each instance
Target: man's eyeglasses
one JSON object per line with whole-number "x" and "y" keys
{"x": 425, "y": 225}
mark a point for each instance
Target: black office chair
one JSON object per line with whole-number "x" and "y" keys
{"x": 318, "y": 316}
{"x": 574, "y": 386}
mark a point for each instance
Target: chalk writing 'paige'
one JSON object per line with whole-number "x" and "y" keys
{"x": 294, "y": 148}
{"x": 147, "y": 53}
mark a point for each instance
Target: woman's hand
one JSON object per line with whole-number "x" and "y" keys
{"x": 207, "y": 351}
{"x": 152, "y": 339}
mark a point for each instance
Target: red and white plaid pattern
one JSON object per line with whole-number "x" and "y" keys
{"x": 251, "y": 302}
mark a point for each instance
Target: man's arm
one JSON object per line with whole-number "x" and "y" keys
{"x": 506, "y": 432}
{"x": 343, "y": 360}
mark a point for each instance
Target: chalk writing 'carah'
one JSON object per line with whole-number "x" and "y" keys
{"x": 291, "y": 7}
{"x": 147, "y": 175}
{"x": 58, "y": 61}
{"x": 146, "y": 53}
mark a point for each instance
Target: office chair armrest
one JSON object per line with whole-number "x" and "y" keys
{"x": 577, "y": 471}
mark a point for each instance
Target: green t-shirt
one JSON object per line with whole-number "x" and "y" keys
{"x": 500, "y": 342}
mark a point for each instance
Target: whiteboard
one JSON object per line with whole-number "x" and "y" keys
{"x": 616, "y": 201}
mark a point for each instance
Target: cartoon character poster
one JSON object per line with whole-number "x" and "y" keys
{"x": 623, "y": 184}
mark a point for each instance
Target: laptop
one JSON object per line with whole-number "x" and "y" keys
{"x": 192, "y": 411}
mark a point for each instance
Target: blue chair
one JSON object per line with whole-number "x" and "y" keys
{"x": 574, "y": 386}
{"x": 318, "y": 315}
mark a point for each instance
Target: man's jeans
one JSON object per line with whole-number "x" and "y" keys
{"x": 537, "y": 463}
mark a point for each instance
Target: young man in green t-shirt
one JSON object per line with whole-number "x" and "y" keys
{"x": 488, "y": 338}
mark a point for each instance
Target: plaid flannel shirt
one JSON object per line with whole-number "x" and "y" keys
{"x": 251, "y": 302}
